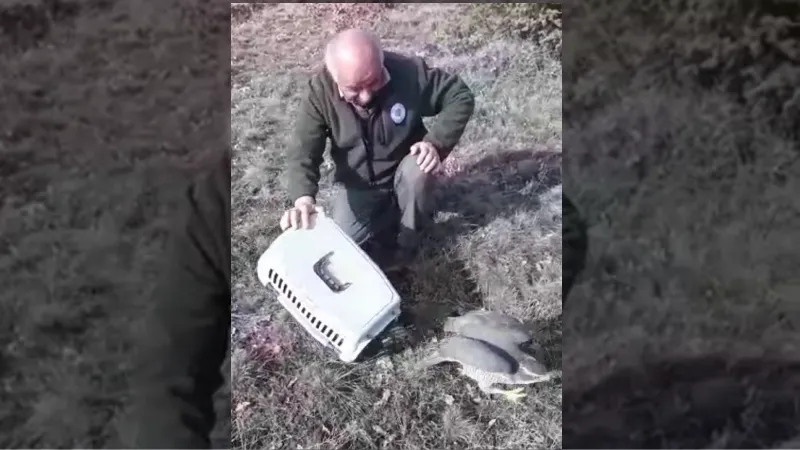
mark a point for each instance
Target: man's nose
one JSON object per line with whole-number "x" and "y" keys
{"x": 364, "y": 97}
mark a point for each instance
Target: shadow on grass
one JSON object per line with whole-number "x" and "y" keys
{"x": 498, "y": 185}
{"x": 547, "y": 334}
{"x": 441, "y": 285}
{"x": 699, "y": 402}
{"x": 441, "y": 288}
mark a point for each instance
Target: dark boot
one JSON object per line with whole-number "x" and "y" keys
{"x": 390, "y": 257}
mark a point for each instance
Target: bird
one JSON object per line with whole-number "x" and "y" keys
{"x": 487, "y": 344}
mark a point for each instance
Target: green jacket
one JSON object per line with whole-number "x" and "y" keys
{"x": 185, "y": 338}
{"x": 366, "y": 153}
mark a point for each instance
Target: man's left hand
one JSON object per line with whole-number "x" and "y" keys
{"x": 427, "y": 156}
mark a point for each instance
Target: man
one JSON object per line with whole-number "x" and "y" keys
{"x": 370, "y": 104}
{"x": 185, "y": 339}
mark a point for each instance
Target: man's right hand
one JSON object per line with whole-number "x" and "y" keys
{"x": 300, "y": 215}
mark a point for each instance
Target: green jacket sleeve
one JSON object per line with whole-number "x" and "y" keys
{"x": 305, "y": 153}
{"x": 447, "y": 97}
{"x": 185, "y": 338}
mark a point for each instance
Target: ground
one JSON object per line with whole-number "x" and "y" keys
{"x": 497, "y": 243}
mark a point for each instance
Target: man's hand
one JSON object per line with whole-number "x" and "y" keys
{"x": 427, "y": 156}
{"x": 300, "y": 215}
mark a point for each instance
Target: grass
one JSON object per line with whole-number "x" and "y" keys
{"x": 496, "y": 243}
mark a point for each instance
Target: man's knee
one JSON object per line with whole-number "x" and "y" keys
{"x": 349, "y": 221}
{"x": 409, "y": 176}
{"x": 358, "y": 232}
{"x": 361, "y": 215}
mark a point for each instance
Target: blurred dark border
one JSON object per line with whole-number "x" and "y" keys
{"x": 102, "y": 99}
{"x": 672, "y": 107}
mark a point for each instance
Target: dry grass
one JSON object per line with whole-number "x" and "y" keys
{"x": 683, "y": 330}
{"x": 91, "y": 164}
{"x": 497, "y": 243}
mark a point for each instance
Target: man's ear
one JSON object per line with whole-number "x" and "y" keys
{"x": 330, "y": 63}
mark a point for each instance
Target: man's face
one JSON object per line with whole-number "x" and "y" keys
{"x": 360, "y": 89}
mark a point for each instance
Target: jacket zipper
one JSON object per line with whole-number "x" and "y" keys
{"x": 366, "y": 139}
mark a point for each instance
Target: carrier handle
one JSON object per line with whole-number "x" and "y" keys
{"x": 321, "y": 269}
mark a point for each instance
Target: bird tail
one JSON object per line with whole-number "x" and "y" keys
{"x": 532, "y": 369}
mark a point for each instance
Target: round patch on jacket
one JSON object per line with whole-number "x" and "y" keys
{"x": 398, "y": 113}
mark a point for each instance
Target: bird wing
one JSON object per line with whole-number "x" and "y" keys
{"x": 489, "y": 326}
{"x": 505, "y": 339}
{"x": 478, "y": 354}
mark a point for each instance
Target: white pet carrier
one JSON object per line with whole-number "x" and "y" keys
{"x": 329, "y": 285}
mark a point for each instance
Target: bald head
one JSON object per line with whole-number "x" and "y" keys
{"x": 354, "y": 59}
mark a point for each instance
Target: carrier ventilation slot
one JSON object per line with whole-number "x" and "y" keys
{"x": 282, "y": 288}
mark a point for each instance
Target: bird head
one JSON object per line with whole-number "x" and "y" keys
{"x": 531, "y": 366}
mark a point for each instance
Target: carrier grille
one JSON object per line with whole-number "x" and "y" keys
{"x": 282, "y": 288}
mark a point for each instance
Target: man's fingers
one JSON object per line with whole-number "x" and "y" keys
{"x": 414, "y": 149}
{"x": 304, "y": 218}
{"x": 298, "y": 217}
{"x": 426, "y": 160}
{"x": 285, "y": 220}
{"x": 424, "y": 154}
{"x": 431, "y": 162}
{"x": 431, "y": 166}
